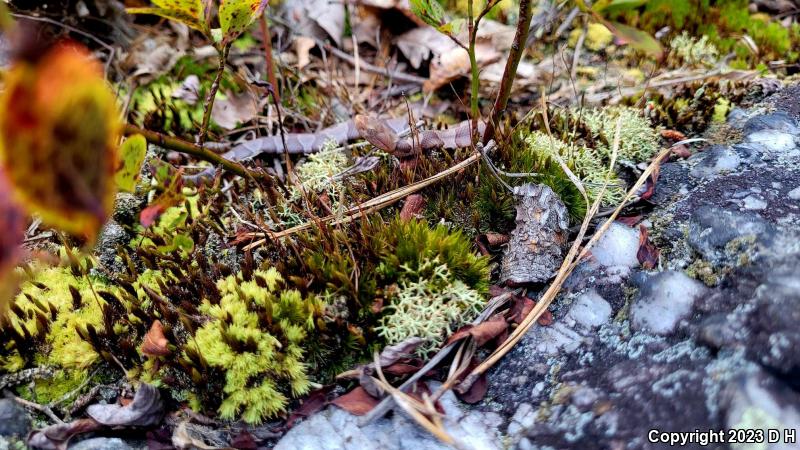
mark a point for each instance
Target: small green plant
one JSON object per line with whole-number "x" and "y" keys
{"x": 235, "y": 16}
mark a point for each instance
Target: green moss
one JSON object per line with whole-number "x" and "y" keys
{"x": 256, "y": 336}
{"x": 407, "y": 246}
{"x": 46, "y": 309}
{"x": 48, "y": 390}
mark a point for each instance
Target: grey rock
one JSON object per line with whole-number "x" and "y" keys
{"x": 663, "y": 300}
{"x": 14, "y": 420}
{"x": 758, "y": 401}
{"x": 713, "y": 228}
{"x": 127, "y": 208}
{"x": 714, "y": 161}
{"x": 112, "y": 236}
{"x": 773, "y": 141}
{"x": 336, "y": 429}
{"x": 794, "y": 194}
{"x": 536, "y": 246}
{"x": 617, "y": 247}
{"x": 589, "y": 310}
{"x": 101, "y": 443}
{"x": 777, "y": 121}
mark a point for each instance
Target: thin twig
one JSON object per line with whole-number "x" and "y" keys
{"x": 182, "y": 146}
{"x": 44, "y": 409}
{"x": 212, "y": 94}
{"x": 512, "y": 63}
{"x": 267, "y": 37}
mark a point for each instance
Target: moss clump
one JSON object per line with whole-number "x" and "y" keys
{"x": 408, "y": 246}
{"x": 585, "y": 163}
{"x": 694, "y": 52}
{"x": 257, "y": 335}
{"x": 431, "y": 307}
{"x": 637, "y": 138}
{"x": 48, "y": 311}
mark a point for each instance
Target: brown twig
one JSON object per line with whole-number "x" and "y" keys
{"x": 44, "y": 409}
{"x": 512, "y": 63}
{"x": 270, "y": 63}
{"x": 212, "y": 94}
{"x": 182, "y": 146}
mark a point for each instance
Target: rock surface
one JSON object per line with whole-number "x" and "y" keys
{"x": 14, "y": 420}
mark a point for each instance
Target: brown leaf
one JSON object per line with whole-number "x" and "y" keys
{"x": 630, "y": 221}
{"x": 357, "y": 402}
{"x": 545, "y": 319}
{"x": 235, "y": 109}
{"x": 56, "y": 437}
{"x": 155, "y": 343}
{"x": 314, "y": 402}
{"x": 521, "y": 308}
{"x": 673, "y": 135}
{"x": 413, "y": 207}
{"x": 681, "y": 151}
{"x": 302, "y": 48}
{"x": 392, "y": 353}
{"x": 147, "y": 409}
{"x": 401, "y": 369}
{"x": 476, "y": 391}
{"x": 647, "y": 253}
{"x": 482, "y": 332}
{"x": 650, "y": 185}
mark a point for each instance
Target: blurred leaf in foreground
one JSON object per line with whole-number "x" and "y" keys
{"x": 59, "y": 131}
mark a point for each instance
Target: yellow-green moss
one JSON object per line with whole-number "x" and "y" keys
{"x": 256, "y": 336}
{"x": 638, "y": 140}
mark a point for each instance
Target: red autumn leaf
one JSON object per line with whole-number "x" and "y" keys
{"x": 59, "y": 132}
{"x": 630, "y": 221}
{"x": 314, "y": 402}
{"x": 413, "y": 207}
{"x": 12, "y": 221}
{"x": 483, "y": 332}
{"x": 647, "y": 253}
{"x": 244, "y": 441}
{"x": 681, "y": 151}
{"x": 357, "y": 402}
{"x": 546, "y": 319}
{"x": 155, "y": 343}
{"x": 650, "y": 185}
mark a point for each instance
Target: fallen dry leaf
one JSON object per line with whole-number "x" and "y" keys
{"x": 235, "y": 109}
{"x": 482, "y": 332}
{"x": 155, "y": 343}
{"x": 673, "y": 135}
{"x": 302, "y": 48}
{"x": 648, "y": 253}
{"x": 650, "y": 184}
{"x": 314, "y": 402}
{"x": 57, "y": 436}
{"x": 415, "y": 204}
{"x": 147, "y": 409}
{"x": 189, "y": 90}
{"x": 357, "y": 402}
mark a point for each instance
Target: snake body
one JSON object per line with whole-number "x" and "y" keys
{"x": 383, "y": 133}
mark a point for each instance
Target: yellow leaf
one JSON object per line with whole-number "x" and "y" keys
{"x": 132, "y": 153}
{"x": 236, "y": 15}
{"x": 59, "y": 130}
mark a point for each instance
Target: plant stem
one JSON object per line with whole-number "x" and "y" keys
{"x": 212, "y": 94}
{"x": 182, "y": 146}
{"x": 510, "y": 72}
{"x": 267, "y": 36}
{"x": 473, "y": 65}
